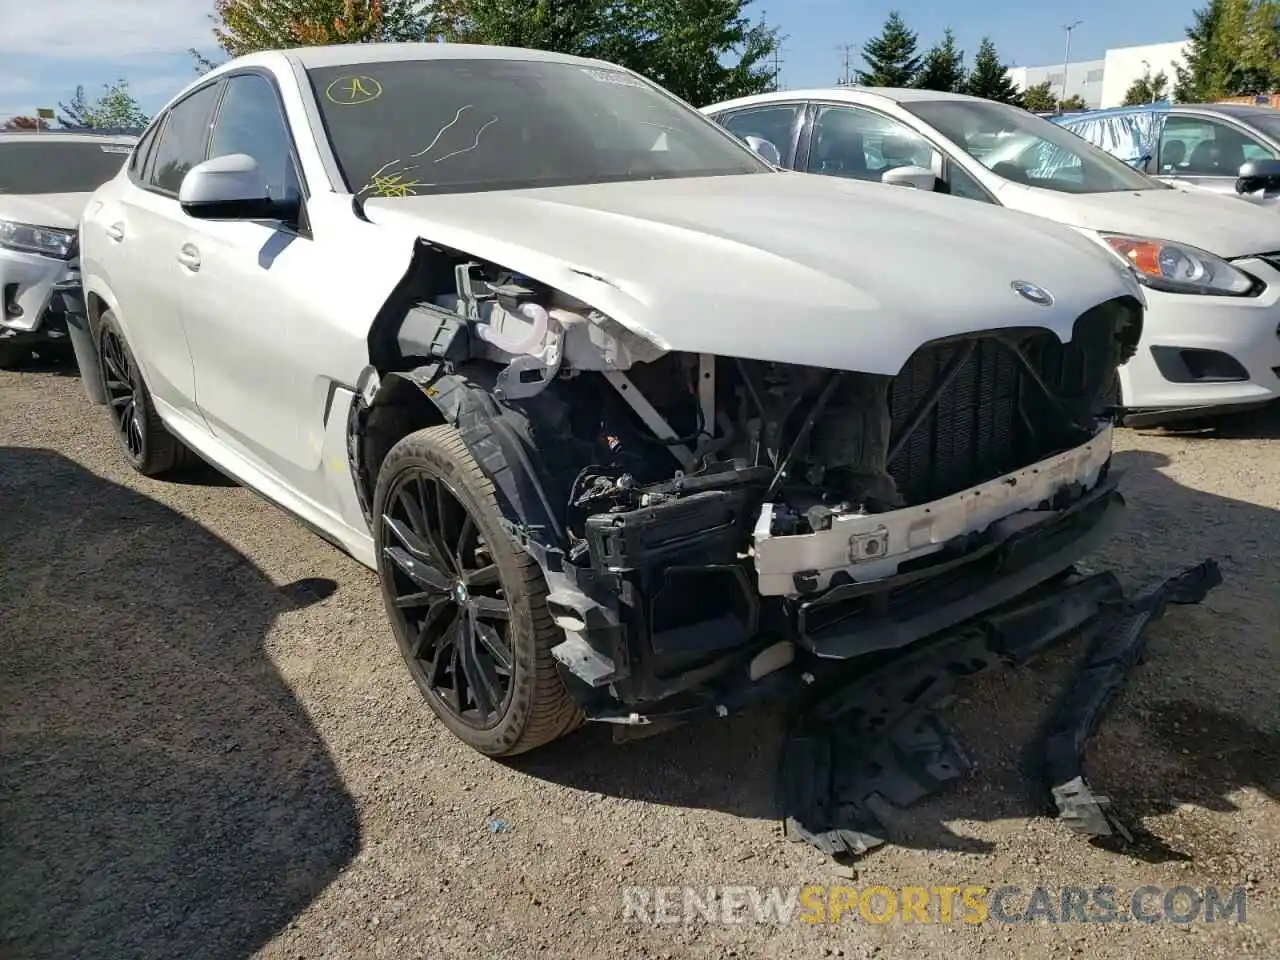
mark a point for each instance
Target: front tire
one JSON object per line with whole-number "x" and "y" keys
{"x": 145, "y": 441}
{"x": 467, "y": 606}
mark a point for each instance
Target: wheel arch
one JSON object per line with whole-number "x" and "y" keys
{"x": 403, "y": 402}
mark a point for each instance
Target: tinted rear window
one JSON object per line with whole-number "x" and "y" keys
{"x": 53, "y": 167}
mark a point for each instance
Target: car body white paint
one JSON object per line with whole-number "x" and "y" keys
{"x": 254, "y": 358}
{"x": 1243, "y": 327}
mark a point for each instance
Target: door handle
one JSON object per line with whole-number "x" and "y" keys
{"x": 189, "y": 257}
{"x": 115, "y": 232}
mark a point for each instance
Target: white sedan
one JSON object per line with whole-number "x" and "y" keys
{"x": 45, "y": 181}
{"x": 628, "y": 421}
{"x": 1211, "y": 265}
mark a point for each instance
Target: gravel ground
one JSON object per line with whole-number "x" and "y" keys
{"x": 210, "y": 747}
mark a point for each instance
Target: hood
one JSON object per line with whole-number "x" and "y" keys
{"x": 786, "y": 267}
{"x": 1222, "y": 225}
{"x": 61, "y": 210}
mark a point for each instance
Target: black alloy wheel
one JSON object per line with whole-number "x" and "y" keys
{"x": 446, "y": 590}
{"x": 122, "y": 384}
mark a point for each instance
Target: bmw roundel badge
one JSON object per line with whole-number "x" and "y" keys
{"x": 1029, "y": 291}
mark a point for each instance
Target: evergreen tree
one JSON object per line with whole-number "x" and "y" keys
{"x": 115, "y": 109}
{"x": 1147, "y": 89}
{"x": 1040, "y": 98}
{"x": 990, "y": 77}
{"x": 1234, "y": 50}
{"x": 943, "y": 67}
{"x": 891, "y": 58}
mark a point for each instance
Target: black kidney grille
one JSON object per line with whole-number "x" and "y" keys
{"x": 974, "y": 433}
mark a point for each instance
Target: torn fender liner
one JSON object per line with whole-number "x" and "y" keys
{"x": 1118, "y": 645}
{"x": 878, "y": 740}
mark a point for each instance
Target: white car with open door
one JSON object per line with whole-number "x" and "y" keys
{"x": 1210, "y": 264}
{"x": 628, "y": 421}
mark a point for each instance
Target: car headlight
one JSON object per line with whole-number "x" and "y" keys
{"x": 29, "y": 238}
{"x": 1179, "y": 268}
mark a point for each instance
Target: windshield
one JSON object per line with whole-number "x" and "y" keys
{"x": 409, "y": 127}
{"x": 1268, "y": 123}
{"x": 77, "y": 166}
{"x": 1024, "y": 148}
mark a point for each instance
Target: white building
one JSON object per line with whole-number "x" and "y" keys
{"x": 1103, "y": 83}
{"x": 1083, "y": 79}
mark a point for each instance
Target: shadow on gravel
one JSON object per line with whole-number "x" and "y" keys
{"x": 162, "y": 793}
{"x": 730, "y": 765}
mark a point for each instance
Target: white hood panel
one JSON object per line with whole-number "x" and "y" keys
{"x": 61, "y": 210}
{"x": 1222, "y": 225}
{"x": 785, "y": 267}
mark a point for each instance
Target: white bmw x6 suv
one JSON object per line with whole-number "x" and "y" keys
{"x": 629, "y": 421}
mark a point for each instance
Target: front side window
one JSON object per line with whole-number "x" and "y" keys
{"x": 774, "y": 123}
{"x": 1026, "y": 149}
{"x": 863, "y": 144}
{"x": 183, "y": 139}
{"x": 410, "y": 127}
{"x": 1200, "y": 147}
{"x": 250, "y": 121}
{"x": 50, "y": 165}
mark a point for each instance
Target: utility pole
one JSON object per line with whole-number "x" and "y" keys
{"x": 1066, "y": 57}
{"x": 847, "y": 50}
{"x": 777, "y": 65}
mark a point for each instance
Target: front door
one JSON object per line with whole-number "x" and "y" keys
{"x": 1206, "y": 151}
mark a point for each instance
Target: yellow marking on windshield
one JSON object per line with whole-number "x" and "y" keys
{"x": 349, "y": 91}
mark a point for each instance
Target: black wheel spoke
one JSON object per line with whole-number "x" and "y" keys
{"x": 113, "y": 367}
{"x": 496, "y": 646}
{"x": 425, "y": 576}
{"x": 434, "y": 532}
{"x": 438, "y": 621}
{"x": 485, "y": 686}
{"x": 491, "y": 608}
{"x": 408, "y": 537}
{"x": 484, "y": 577}
{"x": 457, "y": 693}
{"x": 466, "y": 534}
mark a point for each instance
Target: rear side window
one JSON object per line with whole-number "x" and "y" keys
{"x": 183, "y": 139}
{"x": 138, "y": 162}
{"x": 773, "y": 123}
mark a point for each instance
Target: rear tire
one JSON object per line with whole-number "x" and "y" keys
{"x": 467, "y": 606}
{"x": 145, "y": 441}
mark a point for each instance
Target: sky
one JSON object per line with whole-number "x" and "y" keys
{"x": 47, "y": 49}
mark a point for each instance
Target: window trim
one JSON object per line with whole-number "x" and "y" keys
{"x": 1206, "y": 117}
{"x": 148, "y": 185}
{"x": 142, "y": 151}
{"x": 789, "y": 151}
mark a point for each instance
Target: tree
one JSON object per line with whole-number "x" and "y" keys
{"x": 990, "y": 78}
{"x": 1233, "y": 50}
{"x": 701, "y": 50}
{"x": 943, "y": 67}
{"x": 1040, "y": 98}
{"x": 115, "y": 108}
{"x": 247, "y": 26}
{"x": 891, "y": 57}
{"x": 1147, "y": 89}
{"x": 25, "y": 123}
{"x": 1073, "y": 102}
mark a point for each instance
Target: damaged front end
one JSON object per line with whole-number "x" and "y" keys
{"x": 713, "y": 527}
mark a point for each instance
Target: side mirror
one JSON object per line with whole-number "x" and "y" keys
{"x": 230, "y": 188}
{"x": 1258, "y": 175}
{"x": 911, "y": 176}
{"x": 764, "y": 149}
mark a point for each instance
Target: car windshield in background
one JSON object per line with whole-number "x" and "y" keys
{"x": 1268, "y": 122}
{"x": 410, "y": 127}
{"x": 80, "y": 166}
{"x": 1024, "y": 148}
